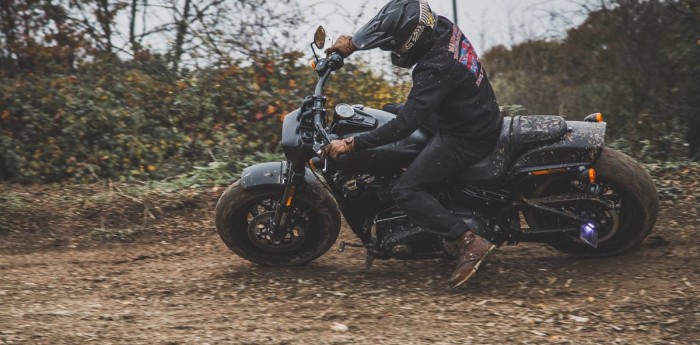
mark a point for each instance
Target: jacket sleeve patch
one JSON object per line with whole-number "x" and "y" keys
{"x": 464, "y": 52}
{"x": 480, "y": 78}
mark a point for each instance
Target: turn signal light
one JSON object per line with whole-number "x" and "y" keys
{"x": 291, "y": 196}
{"x": 591, "y": 175}
{"x": 597, "y": 117}
{"x": 313, "y": 63}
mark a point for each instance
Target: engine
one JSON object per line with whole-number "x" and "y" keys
{"x": 393, "y": 232}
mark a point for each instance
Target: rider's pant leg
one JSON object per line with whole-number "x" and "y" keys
{"x": 437, "y": 163}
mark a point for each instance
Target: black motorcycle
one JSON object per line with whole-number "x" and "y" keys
{"x": 553, "y": 175}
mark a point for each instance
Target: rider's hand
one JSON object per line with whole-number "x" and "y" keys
{"x": 338, "y": 147}
{"x": 342, "y": 46}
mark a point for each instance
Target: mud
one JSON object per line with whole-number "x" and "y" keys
{"x": 175, "y": 282}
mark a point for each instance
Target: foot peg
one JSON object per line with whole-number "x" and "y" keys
{"x": 370, "y": 255}
{"x": 343, "y": 244}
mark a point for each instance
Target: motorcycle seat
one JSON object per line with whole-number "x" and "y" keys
{"x": 518, "y": 134}
{"x": 496, "y": 163}
{"x": 531, "y": 130}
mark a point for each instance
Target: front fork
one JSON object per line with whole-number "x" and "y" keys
{"x": 295, "y": 179}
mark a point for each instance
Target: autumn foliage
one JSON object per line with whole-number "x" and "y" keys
{"x": 76, "y": 107}
{"x": 122, "y": 120}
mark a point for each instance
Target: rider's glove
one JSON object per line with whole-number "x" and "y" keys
{"x": 339, "y": 147}
{"x": 342, "y": 46}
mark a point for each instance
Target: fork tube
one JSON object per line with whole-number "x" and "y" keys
{"x": 295, "y": 176}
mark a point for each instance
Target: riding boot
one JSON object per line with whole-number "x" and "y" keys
{"x": 473, "y": 250}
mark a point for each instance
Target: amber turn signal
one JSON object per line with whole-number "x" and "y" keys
{"x": 591, "y": 175}
{"x": 291, "y": 196}
{"x": 596, "y": 117}
{"x": 313, "y": 63}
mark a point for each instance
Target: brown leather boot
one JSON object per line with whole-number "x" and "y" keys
{"x": 473, "y": 249}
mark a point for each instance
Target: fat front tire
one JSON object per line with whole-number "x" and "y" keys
{"x": 636, "y": 217}
{"x": 238, "y": 208}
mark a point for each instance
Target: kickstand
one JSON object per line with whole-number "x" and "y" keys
{"x": 369, "y": 260}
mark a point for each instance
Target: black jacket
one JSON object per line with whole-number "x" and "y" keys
{"x": 450, "y": 84}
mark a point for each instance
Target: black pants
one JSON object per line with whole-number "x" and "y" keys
{"x": 441, "y": 160}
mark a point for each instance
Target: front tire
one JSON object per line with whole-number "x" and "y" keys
{"x": 629, "y": 225}
{"x": 241, "y": 213}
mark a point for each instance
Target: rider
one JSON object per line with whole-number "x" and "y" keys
{"x": 450, "y": 87}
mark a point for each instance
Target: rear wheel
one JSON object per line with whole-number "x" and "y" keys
{"x": 243, "y": 221}
{"x": 626, "y": 184}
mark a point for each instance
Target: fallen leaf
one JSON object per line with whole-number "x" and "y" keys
{"x": 339, "y": 327}
{"x": 579, "y": 319}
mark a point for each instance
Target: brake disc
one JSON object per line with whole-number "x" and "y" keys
{"x": 259, "y": 232}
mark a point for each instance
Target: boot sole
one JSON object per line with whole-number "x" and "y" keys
{"x": 488, "y": 253}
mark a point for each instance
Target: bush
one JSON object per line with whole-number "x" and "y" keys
{"x": 123, "y": 121}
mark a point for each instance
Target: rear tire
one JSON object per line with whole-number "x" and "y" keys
{"x": 237, "y": 206}
{"x": 633, "y": 222}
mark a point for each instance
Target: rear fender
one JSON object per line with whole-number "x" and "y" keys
{"x": 581, "y": 145}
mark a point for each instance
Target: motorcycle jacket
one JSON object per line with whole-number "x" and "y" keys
{"x": 450, "y": 84}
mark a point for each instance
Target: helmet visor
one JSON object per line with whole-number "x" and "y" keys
{"x": 379, "y": 31}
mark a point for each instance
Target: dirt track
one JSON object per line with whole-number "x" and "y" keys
{"x": 184, "y": 286}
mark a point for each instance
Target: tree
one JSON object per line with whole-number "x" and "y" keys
{"x": 647, "y": 53}
{"x": 39, "y": 35}
{"x": 636, "y": 61}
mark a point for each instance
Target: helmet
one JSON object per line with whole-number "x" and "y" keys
{"x": 397, "y": 27}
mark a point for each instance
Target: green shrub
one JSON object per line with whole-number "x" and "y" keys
{"x": 125, "y": 121}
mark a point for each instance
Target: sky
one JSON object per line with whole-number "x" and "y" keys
{"x": 487, "y": 23}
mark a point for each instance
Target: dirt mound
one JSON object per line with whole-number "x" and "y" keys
{"x": 50, "y": 217}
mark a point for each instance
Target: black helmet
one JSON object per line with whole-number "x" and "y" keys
{"x": 397, "y": 27}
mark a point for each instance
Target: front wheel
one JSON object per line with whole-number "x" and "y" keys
{"x": 243, "y": 219}
{"x": 625, "y": 183}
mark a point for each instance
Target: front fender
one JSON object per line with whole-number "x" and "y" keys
{"x": 273, "y": 175}
{"x": 263, "y": 174}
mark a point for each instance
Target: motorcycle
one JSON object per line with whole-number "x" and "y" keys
{"x": 547, "y": 180}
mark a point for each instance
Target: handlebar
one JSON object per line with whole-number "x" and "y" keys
{"x": 318, "y": 125}
{"x": 324, "y": 68}
{"x": 318, "y": 92}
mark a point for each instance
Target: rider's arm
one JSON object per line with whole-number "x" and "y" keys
{"x": 431, "y": 84}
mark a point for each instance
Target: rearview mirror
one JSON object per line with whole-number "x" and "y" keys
{"x": 320, "y": 37}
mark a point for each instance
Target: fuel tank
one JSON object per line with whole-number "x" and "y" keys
{"x": 383, "y": 160}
